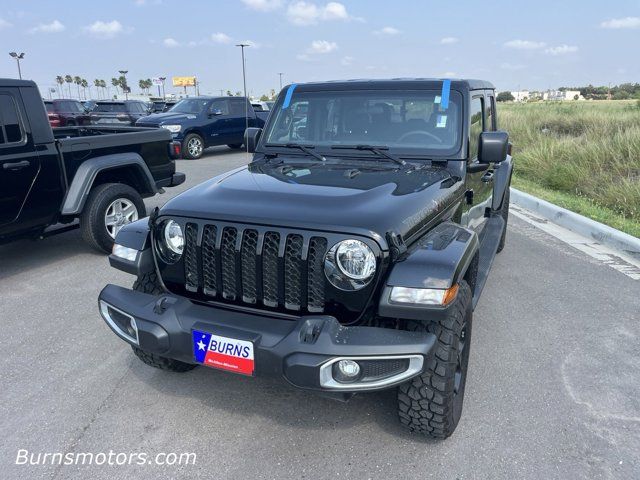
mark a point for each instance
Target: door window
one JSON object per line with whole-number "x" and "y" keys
{"x": 221, "y": 106}
{"x": 238, "y": 108}
{"x": 491, "y": 118}
{"x": 10, "y": 129}
{"x": 477, "y": 126}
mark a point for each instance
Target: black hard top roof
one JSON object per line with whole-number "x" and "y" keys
{"x": 396, "y": 83}
{"x": 12, "y": 82}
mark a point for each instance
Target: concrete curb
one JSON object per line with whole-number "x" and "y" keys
{"x": 577, "y": 223}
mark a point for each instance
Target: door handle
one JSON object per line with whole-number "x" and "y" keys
{"x": 487, "y": 177}
{"x": 16, "y": 165}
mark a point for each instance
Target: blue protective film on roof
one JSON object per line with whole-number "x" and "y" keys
{"x": 446, "y": 88}
{"x": 287, "y": 97}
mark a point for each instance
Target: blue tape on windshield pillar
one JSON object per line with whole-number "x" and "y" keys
{"x": 444, "y": 97}
{"x": 287, "y": 97}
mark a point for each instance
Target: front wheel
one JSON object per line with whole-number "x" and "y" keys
{"x": 431, "y": 404}
{"x": 193, "y": 146}
{"x": 109, "y": 207}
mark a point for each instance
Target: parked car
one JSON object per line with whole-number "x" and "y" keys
{"x": 118, "y": 112}
{"x": 168, "y": 105}
{"x": 50, "y": 178}
{"x": 64, "y": 113}
{"x": 262, "y": 106}
{"x": 347, "y": 257}
{"x": 201, "y": 122}
{"x": 89, "y": 105}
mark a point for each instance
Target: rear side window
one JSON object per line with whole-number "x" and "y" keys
{"x": 476, "y": 128}
{"x": 238, "y": 108}
{"x": 10, "y": 128}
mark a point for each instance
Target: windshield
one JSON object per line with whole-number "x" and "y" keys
{"x": 190, "y": 105}
{"x": 110, "y": 107}
{"x": 413, "y": 122}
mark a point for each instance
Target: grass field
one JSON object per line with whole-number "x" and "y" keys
{"x": 584, "y": 156}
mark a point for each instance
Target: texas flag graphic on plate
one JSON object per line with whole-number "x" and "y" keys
{"x": 223, "y": 352}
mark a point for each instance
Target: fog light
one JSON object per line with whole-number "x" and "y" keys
{"x": 346, "y": 371}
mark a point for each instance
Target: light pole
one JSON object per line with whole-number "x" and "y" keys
{"x": 18, "y": 57}
{"x": 125, "y": 87}
{"x": 280, "y": 74}
{"x": 244, "y": 82}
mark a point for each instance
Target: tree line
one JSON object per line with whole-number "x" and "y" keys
{"x": 101, "y": 87}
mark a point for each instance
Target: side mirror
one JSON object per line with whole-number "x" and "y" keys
{"x": 493, "y": 147}
{"x": 251, "y": 138}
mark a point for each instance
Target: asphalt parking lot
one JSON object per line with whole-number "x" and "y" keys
{"x": 553, "y": 392}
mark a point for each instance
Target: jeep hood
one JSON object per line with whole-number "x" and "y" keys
{"x": 366, "y": 201}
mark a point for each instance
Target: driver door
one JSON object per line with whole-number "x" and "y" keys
{"x": 479, "y": 176}
{"x": 217, "y": 128}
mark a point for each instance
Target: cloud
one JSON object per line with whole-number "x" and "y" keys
{"x": 346, "y": 61}
{"x": 263, "y": 5}
{"x": 303, "y": 13}
{"x": 617, "y": 23}
{"x": 524, "y": 45}
{"x": 4, "y": 24}
{"x": 251, "y": 43}
{"x": 220, "y": 37}
{"x": 448, "y": 40}
{"x": 561, "y": 49}
{"x": 387, "y": 31}
{"x": 53, "y": 27}
{"x": 100, "y": 29}
{"x": 322, "y": 46}
{"x": 170, "y": 42}
{"x": 304, "y": 57}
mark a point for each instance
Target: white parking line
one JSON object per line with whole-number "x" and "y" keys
{"x": 603, "y": 254}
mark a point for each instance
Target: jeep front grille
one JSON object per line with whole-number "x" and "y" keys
{"x": 256, "y": 266}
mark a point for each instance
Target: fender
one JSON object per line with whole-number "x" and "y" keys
{"x": 89, "y": 170}
{"x": 137, "y": 236}
{"x": 501, "y": 180}
{"x": 438, "y": 260}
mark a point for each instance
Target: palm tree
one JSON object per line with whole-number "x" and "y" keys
{"x": 103, "y": 85}
{"x": 149, "y": 85}
{"x": 84, "y": 84}
{"x": 116, "y": 83}
{"x": 77, "y": 80}
{"x": 142, "y": 84}
{"x": 69, "y": 80}
{"x": 60, "y": 81}
{"x": 97, "y": 83}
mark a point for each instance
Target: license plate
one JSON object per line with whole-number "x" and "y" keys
{"x": 223, "y": 353}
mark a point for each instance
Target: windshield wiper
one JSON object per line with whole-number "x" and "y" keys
{"x": 377, "y": 149}
{"x": 305, "y": 148}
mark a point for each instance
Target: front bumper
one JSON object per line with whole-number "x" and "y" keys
{"x": 301, "y": 350}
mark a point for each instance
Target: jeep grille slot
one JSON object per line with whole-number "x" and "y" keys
{"x": 256, "y": 266}
{"x": 228, "y": 255}
{"x": 191, "y": 258}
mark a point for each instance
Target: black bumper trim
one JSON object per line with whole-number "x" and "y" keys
{"x": 282, "y": 348}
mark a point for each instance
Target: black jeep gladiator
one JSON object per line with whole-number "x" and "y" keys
{"x": 50, "y": 178}
{"x": 346, "y": 257}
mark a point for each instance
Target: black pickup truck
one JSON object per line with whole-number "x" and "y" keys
{"x": 347, "y": 257}
{"x": 50, "y": 178}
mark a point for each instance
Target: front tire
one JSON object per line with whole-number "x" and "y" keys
{"x": 193, "y": 146}
{"x": 431, "y": 404}
{"x": 149, "y": 283}
{"x": 109, "y": 207}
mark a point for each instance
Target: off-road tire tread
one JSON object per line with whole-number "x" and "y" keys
{"x": 425, "y": 403}
{"x": 148, "y": 283}
{"x": 162, "y": 363}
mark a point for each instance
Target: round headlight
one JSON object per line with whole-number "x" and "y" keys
{"x": 355, "y": 259}
{"x": 350, "y": 265}
{"x": 173, "y": 237}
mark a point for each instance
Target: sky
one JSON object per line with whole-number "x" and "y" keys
{"x": 515, "y": 45}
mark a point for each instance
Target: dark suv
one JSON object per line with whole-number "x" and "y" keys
{"x": 347, "y": 257}
{"x": 66, "y": 113}
{"x": 123, "y": 112}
